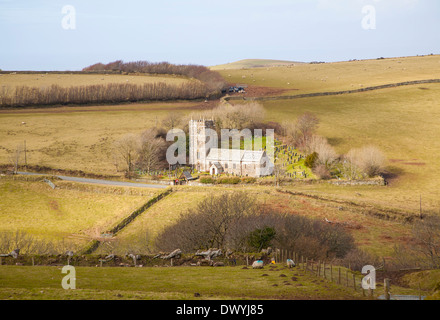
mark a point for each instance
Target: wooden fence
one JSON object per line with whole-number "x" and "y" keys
{"x": 337, "y": 274}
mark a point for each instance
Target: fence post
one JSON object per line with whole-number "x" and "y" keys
{"x": 331, "y": 272}
{"x": 324, "y": 271}
{"x": 387, "y": 289}
{"x": 307, "y": 264}
{"x": 302, "y": 262}
{"x": 318, "y": 272}
{"x": 339, "y": 275}
{"x": 354, "y": 282}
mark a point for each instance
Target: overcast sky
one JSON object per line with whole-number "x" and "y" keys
{"x": 37, "y": 35}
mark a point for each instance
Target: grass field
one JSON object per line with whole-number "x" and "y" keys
{"x": 308, "y": 78}
{"x": 56, "y": 214}
{"x": 79, "y": 138}
{"x": 181, "y": 283}
{"x": 254, "y": 63}
{"x": 371, "y": 234}
{"x": 73, "y": 80}
{"x": 275, "y": 282}
{"x": 403, "y": 122}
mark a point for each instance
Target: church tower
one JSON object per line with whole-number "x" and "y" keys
{"x": 198, "y": 138}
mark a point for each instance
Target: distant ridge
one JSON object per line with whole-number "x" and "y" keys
{"x": 254, "y": 63}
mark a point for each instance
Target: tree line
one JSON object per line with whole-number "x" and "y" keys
{"x": 22, "y": 96}
{"x": 212, "y": 79}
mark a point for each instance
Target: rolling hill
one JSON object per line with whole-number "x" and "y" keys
{"x": 254, "y": 63}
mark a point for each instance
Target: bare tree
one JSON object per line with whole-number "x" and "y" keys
{"x": 279, "y": 171}
{"x": 15, "y": 157}
{"x": 301, "y": 132}
{"x": 151, "y": 148}
{"x": 209, "y": 224}
{"x": 426, "y": 232}
{"x": 240, "y": 116}
{"x": 126, "y": 151}
{"x": 369, "y": 160}
{"x": 326, "y": 153}
{"x": 172, "y": 120}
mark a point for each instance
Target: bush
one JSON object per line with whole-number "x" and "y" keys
{"x": 356, "y": 259}
{"x": 311, "y": 160}
{"x": 322, "y": 172}
{"x": 261, "y": 238}
{"x": 207, "y": 180}
{"x": 249, "y": 180}
{"x": 229, "y": 180}
{"x": 368, "y": 160}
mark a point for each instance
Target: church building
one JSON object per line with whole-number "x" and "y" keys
{"x": 207, "y": 158}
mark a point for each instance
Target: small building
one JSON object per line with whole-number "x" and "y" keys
{"x": 184, "y": 178}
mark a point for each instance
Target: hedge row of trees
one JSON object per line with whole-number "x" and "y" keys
{"x": 108, "y": 93}
{"x": 213, "y": 80}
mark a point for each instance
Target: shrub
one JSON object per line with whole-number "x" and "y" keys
{"x": 326, "y": 154}
{"x": 207, "y": 180}
{"x": 311, "y": 160}
{"x": 229, "y": 180}
{"x": 249, "y": 180}
{"x": 261, "y": 238}
{"x": 322, "y": 172}
{"x": 369, "y": 160}
{"x": 356, "y": 259}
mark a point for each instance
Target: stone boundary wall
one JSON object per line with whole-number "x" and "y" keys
{"x": 334, "y": 93}
{"x": 94, "y": 244}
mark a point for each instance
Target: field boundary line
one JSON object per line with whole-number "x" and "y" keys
{"x": 370, "y": 210}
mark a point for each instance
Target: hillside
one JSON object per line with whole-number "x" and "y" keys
{"x": 254, "y": 63}
{"x": 336, "y": 76}
{"x": 387, "y": 118}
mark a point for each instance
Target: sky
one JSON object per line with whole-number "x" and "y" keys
{"x": 72, "y": 34}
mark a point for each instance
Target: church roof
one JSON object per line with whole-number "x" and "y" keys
{"x": 216, "y": 154}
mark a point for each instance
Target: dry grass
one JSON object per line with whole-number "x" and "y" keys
{"x": 402, "y": 122}
{"x": 35, "y": 208}
{"x": 307, "y": 78}
{"x": 78, "y": 138}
